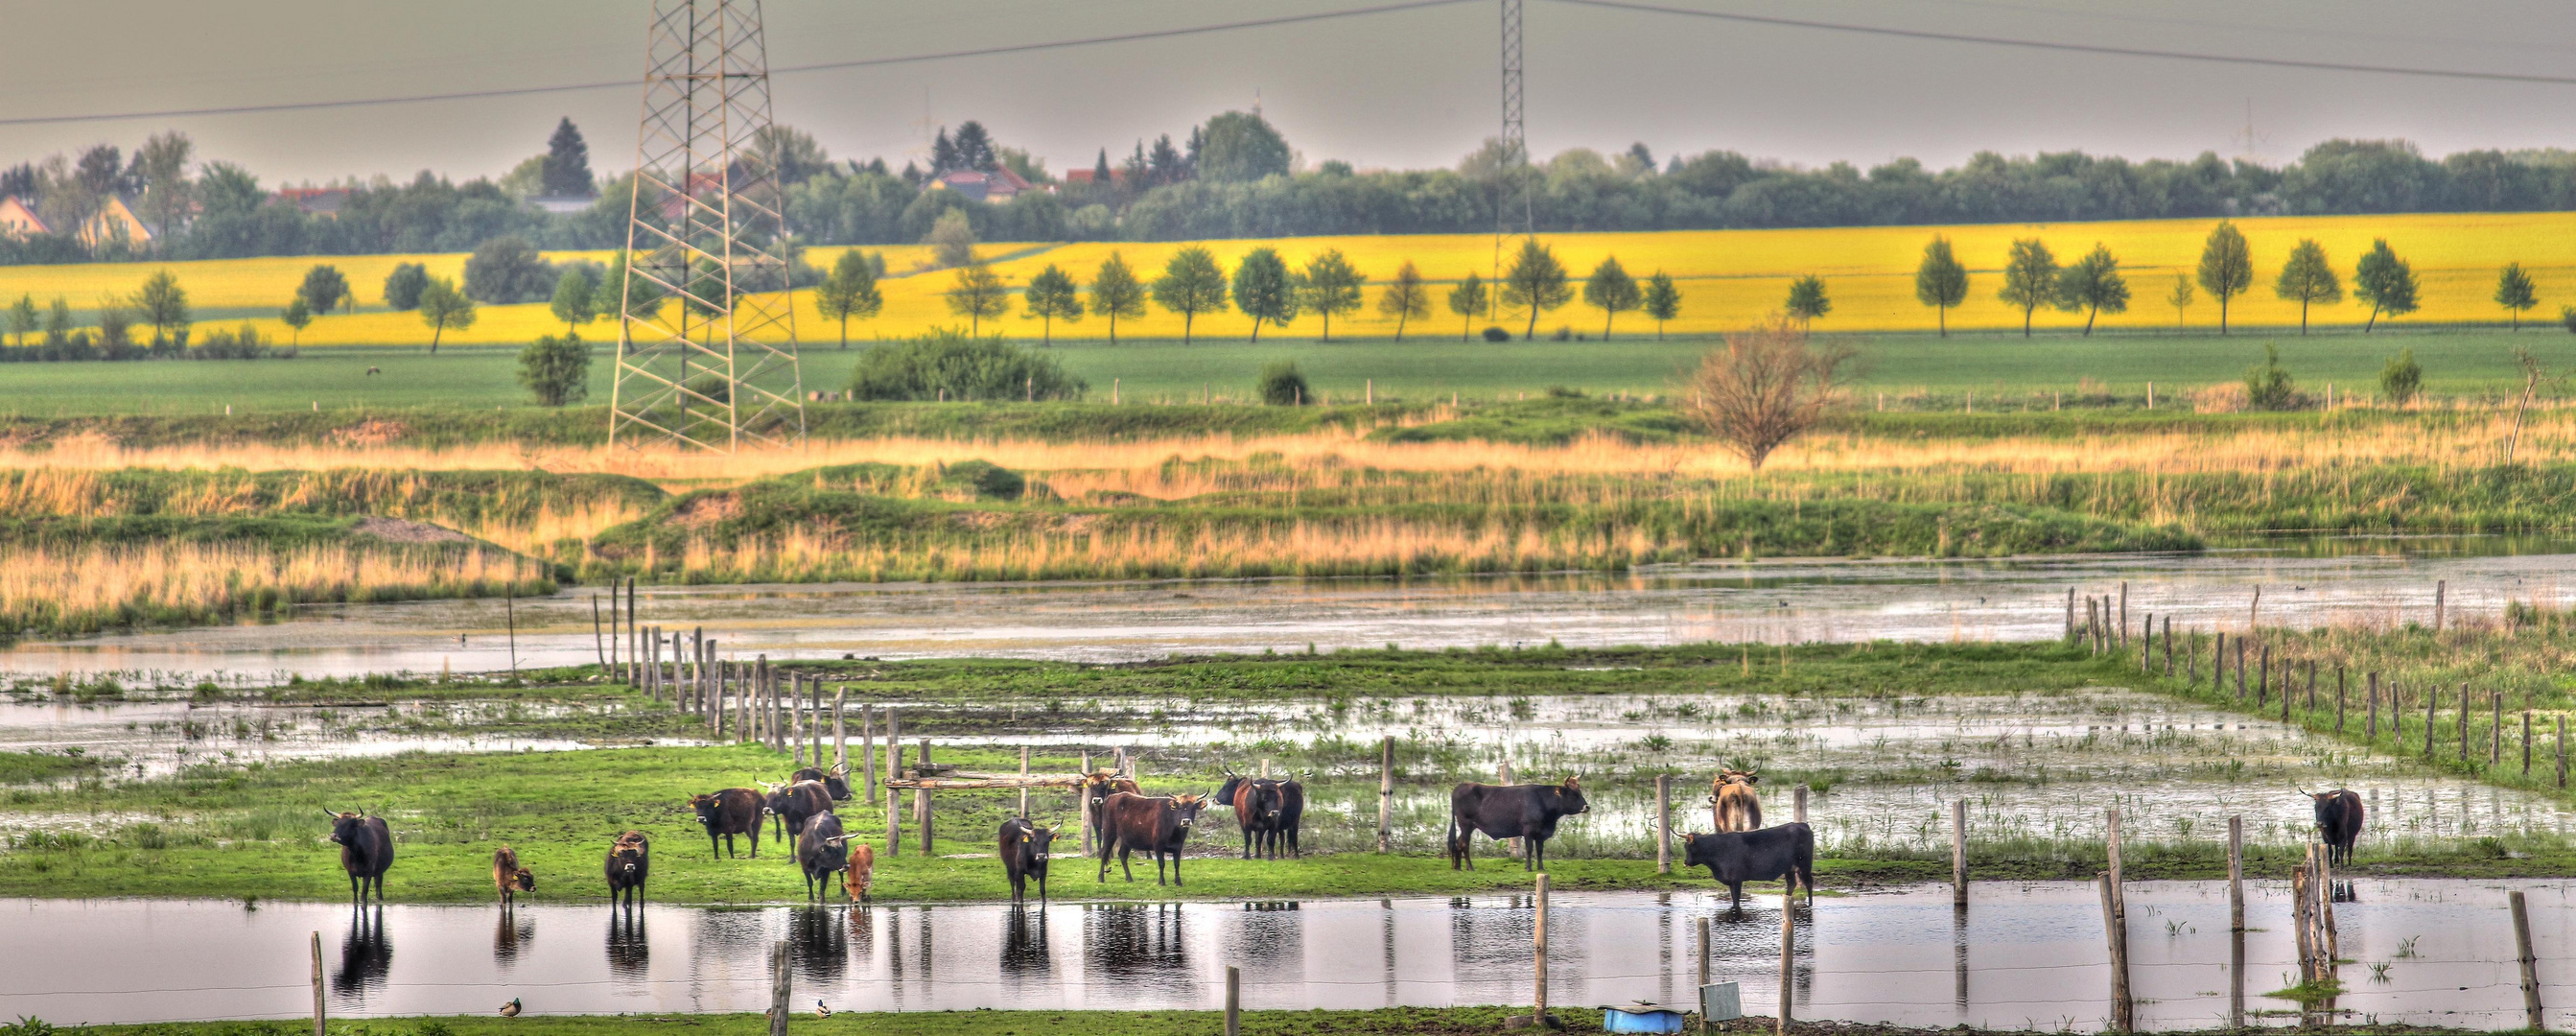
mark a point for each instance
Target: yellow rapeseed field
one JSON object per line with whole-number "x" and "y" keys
{"x": 1728, "y": 278}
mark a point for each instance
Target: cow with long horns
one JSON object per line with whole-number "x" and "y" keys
{"x": 366, "y": 852}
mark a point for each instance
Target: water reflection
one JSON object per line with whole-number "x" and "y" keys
{"x": 1143, "y": 945}
{"x": 630, "y": 953}
{"x": 366, "y": 957}
{"x": 1027, "y": 958}
{"x": 510, "y": 931}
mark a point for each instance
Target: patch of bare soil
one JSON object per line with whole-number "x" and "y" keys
{"x": 403, "y": 530}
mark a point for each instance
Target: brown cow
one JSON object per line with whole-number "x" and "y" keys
{"x": 1732, "y": 804}
{"x": 1097, "y": 786}
{"x": 1158, "y": 824}
{"x": 509, "y": 877}
{"x": 863, "y": 865}
{"x": 733, "y": 811}
{"x": 630, "y": 861}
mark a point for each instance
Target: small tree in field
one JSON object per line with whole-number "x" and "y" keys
{"x": 2181, "y": 297}
{"x": 1330, "y": 285}
{"x": 1765, "y": 387}
{"x": 22, "y": 318}
{"x": 2093, "y": 284}
{"x": 1537, "y": 282}
{"x": 2386, "y": 282}
{"x": 297, "y": 316}
{"x": 2401, "y": 378}
{"x": 2226, "y": 267}
{"x": 1115, "y": 292}
{"x": 443, "y": 307}
{"x": 1191, "y": 284}
{"x": 1051, "y": 296}
{"x": 575, "y": 301}
{"x": 1611, "y": 289}
{"x": 1940, "y": 281}
{"x": 2030, "y": 278}
{"x": 978, "y": 294}
{"x": 851, "y": 291}
{"x": 163, "y": 304}
{"x": 556, "y": 370}
{"x": 1663, "y": 301}
{"x": 2308, "y": 278}
{"x": 1404, "y": 298}
{"x": 324, "y": 288}
{"x": 1467, "y": 300}
{"x": 1807, "y": 299}
{"x": 2514, "y": 292}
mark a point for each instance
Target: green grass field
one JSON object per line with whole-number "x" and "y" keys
{"x": 1424, "y": 370}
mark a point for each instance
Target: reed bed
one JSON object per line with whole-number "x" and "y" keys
{"x": 85, "y": 589}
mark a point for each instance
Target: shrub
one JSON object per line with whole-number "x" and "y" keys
{"x": 556, "y": 370}
{"x": 1281, "y": 385}
{"x": 1496, "y": 334}
{"x": 242, "y": 344}
{"x": 507, "y": 269}
{"x": 402, "y": 287}
{"x": 2401, "y": 378}
{"x": 1563, "y": 334}
{"x": 983, "y": 479}
{"x": 1564, "y": 392}
{"x": 2567, "y": 315}
{"x": 951, "y": 364}
{"x": 2269, "y": 386}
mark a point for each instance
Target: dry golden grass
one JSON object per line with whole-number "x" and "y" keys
{"x": 90, "y": 587}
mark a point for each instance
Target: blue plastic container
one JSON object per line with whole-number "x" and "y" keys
{"x": 1640, "y": 1018}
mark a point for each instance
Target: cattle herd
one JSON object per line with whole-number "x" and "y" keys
{"x": 1267, "y": 812}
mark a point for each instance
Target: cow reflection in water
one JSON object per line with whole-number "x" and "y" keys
{"x": 630, "y": 954}
{"x": 818, "y": 943}
{"x": 510, "y": 932}
{"x": 1141, "y": 944}
{"x": 366, "y": 956}
{"x": 1270, "y": 937}
{"x": 1024, "y": 944}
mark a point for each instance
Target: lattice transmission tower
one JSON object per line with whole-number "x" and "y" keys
{"x": 706, "y": 336}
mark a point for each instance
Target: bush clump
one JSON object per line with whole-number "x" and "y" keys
{"x": 1281, "y": 385}
{"x": 949, "y": 364}
{"x": 1496, "y": 334}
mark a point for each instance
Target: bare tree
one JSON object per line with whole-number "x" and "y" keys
{"x": 1766, "y": 386}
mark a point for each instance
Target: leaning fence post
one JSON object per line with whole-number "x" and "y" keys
{"x": 2119, "y": 958}
{"x": 320, "y": 1003}
{"x": 2530, "y": 965}
{"x": 1663, "y": 823}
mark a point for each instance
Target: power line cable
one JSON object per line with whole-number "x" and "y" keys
{"x": 2079, "y": 48}
{"x": 825, "y": 66}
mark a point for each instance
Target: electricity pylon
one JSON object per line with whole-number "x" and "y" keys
{"x": 706, "y": 334}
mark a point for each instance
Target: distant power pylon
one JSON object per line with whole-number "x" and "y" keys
{"x": 1514, "y": 134}
{"x": 706, "y": 336}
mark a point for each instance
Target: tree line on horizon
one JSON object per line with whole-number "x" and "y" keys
{"x": 1236, "y": 176}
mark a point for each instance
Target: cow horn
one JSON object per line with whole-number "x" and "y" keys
{"x": 330, "y": 814}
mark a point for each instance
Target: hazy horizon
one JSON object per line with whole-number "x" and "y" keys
{"x": 1410, "y": 89}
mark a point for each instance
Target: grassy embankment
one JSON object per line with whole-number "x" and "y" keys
{"x": 233, "y": 831}
{"x": 1210, "y": 491}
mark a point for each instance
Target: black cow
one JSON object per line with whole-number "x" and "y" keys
{"x": 1292, "y": 811}
{"x": 836, "y": 780}
{"x": 733, "y": 811}
{"x": 1524, "y": 811}
{"x": 1158, "y": 824}
{"x": 1735, "y": 857}
{"x": 1255, "y": 801}
{"x": 366, "y": 852}
{"x": 1024, "y": 853}
{"x": 2338, "y": 822}
{"x": 790, "y": 804}
{"x": 821, "y": 851}
{"x": 630, "y": 861}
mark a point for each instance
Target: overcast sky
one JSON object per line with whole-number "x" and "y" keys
{"x": 1408, "y": 89}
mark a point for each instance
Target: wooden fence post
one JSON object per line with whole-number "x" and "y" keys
{"x": 840, "y": 731}
{"x": 2236, "y": 874}
{"x": 2562, "y": 750}
{"x": 781, "y": 981}
{"x": 868, "y": 747}
{"x": 2218, "y": 663}
{"x": 1233, "y": 1001}
{"x": 1798, "y": 803}
{"x": 2169, "y": 646}
{"x": 2147, "y": 644}
{"x": 894, "y": 800}
{"x": 2124, "y": 615}
{"x": 2495, "y": 728}
{"x": 2432, "y": 697}
{"x": 1538, "y": 957}
{"x": 2070, "y": 615}
{"x": 1663, "y": 823}
{"x": 2240, "y": 668}
{"x": 2530, "y": 965}
{"x": 2339, "y": 698}
{"x": 1386, "y": 795}
{"x": 1788, "y": 954}
{"x": 321, "y": 1004}
{"x": 1959, "y": 853}
{"x": 2263, "y": 676}
{"x": 2441, "y": 588}
{"x": 2120, "y": 1011}
{"x": 2373, "y": 731}
{"x": 2526, "y": 739}
{"x": 921, "y": 799}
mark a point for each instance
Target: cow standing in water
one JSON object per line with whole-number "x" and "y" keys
{"x": 1025, "y": 847}
{"x": 1525, "y": 811}
{"x": 2338, "y": 822}
{"x": 822, "y": 851}
{"x": 511, "y": 878}
{"x": 366, "y": 852}
{"x": 1732, "y": 804}
{"x": 1735, "y": 857}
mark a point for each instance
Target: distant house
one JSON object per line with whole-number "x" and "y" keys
{"x": 316, "y": 201}
{"x": 115, "y": 220}
{"x": 1083, "y": 178}
{"x": 1000, "y": 185}
{"x": 18, "y": 218}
